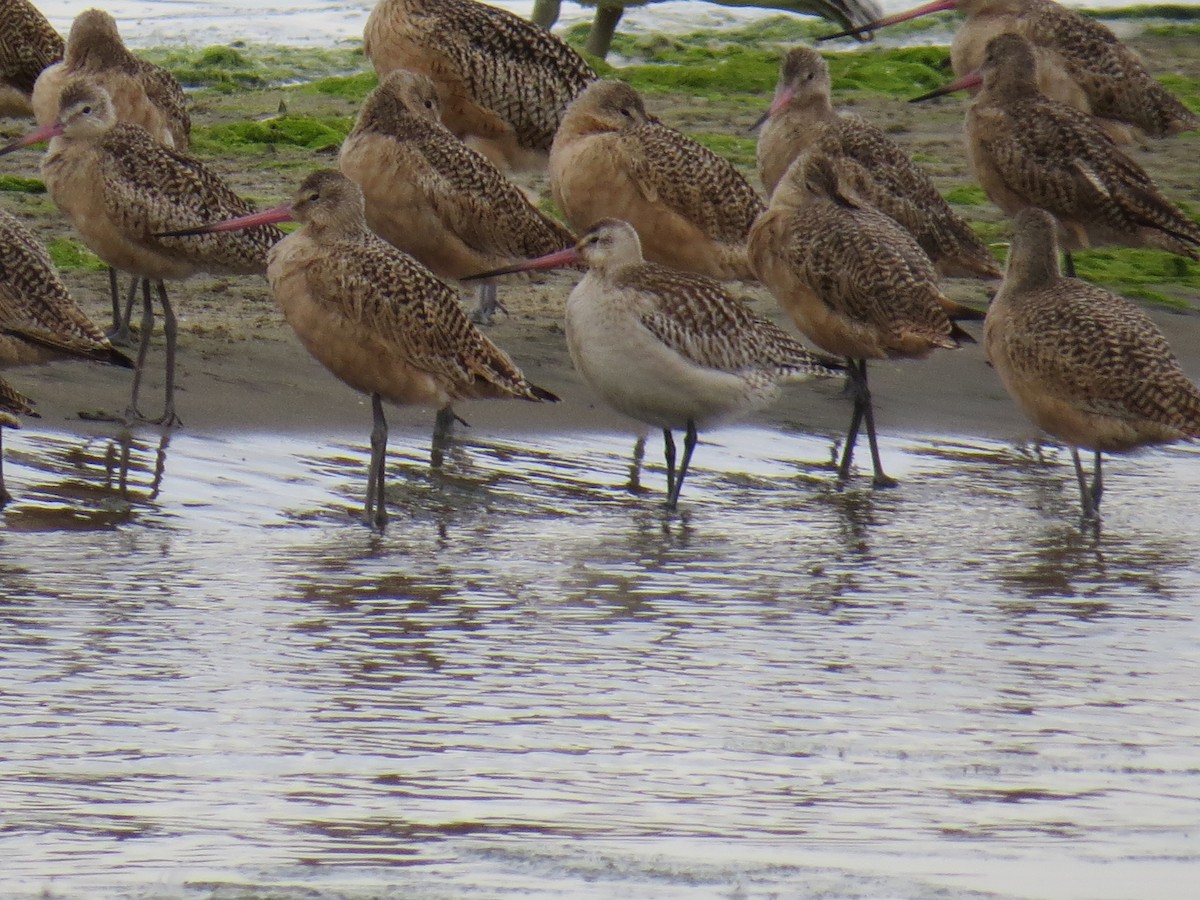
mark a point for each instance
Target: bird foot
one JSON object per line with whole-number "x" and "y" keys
{"x": 884, "y": 481}
{"x": 485, "y": 314}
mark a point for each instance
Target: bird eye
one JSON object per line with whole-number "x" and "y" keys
{"x": 429, "y": 104}
{"x": 626, "y": 113}
{"x": 87, "y": 110}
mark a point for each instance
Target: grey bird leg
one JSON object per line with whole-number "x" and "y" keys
{"x": 5, "y": 496}
{"x": 1097, "y": 484}
{"x": 881, "y": 479}
{"x": 669, "y": 455}
{"x": 1086, "y": 496}
{"x": 120, "y": 323}
{"x": 170, "y": 331}
{"x": 545, "y": 12}
{"x": 375, "y": 474}
{"x": 634, "y": 485}
{"x": 689, "y": 444}
{"x": 132, "y": 413}
{"x": 443, "y": 425}
{"x": 604, "y": 26}
{"x": 855, "y": 420}
{"x": 1068, "y": 264}
{"x": 489, "y": 303}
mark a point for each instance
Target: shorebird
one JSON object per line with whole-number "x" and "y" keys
{"x": 503, "y": 82}
{"x": 1028, "y": 150}
{"x": 869, "y": 163}
{"x": 846, "y": 13}
{"x": 121, "y": 188}
{"x": 671, "y": 349}
{"x": 611, "y": 159}
{"x": 27, "y": 45}
{"x": 39, "y": 321}
{"x": 854, "y": 282}
{"x": 375, "y": 317}
{"x": 1078, "y": 60}
{"x": 435, "y": 198}
{"x": 1085, "y": 365}
{"x": 141, "y": 92}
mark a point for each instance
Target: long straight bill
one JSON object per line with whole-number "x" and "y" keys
{"x": 965, "y": 83}
{"x": 924, "y": 10}
{"x": 272, "y": 216}
{"x": 559, "y": 260}
{"x": 34, "y": 137}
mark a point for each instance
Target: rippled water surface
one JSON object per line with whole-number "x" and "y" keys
{"x": 215, "y": 682}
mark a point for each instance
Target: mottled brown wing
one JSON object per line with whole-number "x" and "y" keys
{"x": 32, "y": 296}
{"x": 1102, "y": 354}
{"x": 485, "y": 209}
{"x": 166, "y": 93}
{"x": 687, "y": 176}
{"x": 517, "y": 69}
{"x": 697, "y": 318}
{"x": 13, "y": 403}
{"x": 1116, "y": 82}
{"x": 27, "y": 45}
{"x": 877, "y": 170}
{"x": 863, "y": 265}
{"x": 391, "y": 295}
{"x": 149, "y": 189}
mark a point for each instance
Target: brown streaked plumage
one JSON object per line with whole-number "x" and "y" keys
{"x": 1085, "y": 365}
{"x": 503, "y": 81}
{"x": 1077, "y": 59}
{"x": 39, "y": 321}
{"x": 375, "y": 317}
{"x": 142, "y": 93}
{"x": 855, "y": 283}
{"x": 27, "y": 45}
{"x": 1027, "y": 150}
{"x": 120, "y": 188}
{"x": 669, "y": 348}
{"x": 435, "y": 198}
{"x": 869, "y": 163}
{"x": 611, "y": 159}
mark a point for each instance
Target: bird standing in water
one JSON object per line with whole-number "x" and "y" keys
{"x": 1083, "y": 364}
{"x": 672, "y": 349}
{"x": 375, "y": 317}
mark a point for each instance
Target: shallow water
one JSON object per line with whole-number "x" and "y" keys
{"x": 217, "y": 683}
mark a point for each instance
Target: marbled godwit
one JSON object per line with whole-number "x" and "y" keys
{"x": 669, "y": 348}
{"x": 611, "y": 159}
{"x": 120, "y": 188}
{"x": 27, "y": 45}
{"x": 39, "y": 321}
{"x": 141, "y": 92}
{"x": 867, "y": 162}
{"x": 435, "y": 198}
{"x": 503, "y": 82}
{"x": 1085, "y": 365}
{"x": 1078, "y": 61}
{"x": 375, "y": 317}
{"x": 1028, "y": 150}
{"x": 846, "y": 13}
{"x": 854, "y": 282}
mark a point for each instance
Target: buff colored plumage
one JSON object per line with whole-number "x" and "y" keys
{"x": 142, "y": 93}
{"x": 611, "y": 159}
{"x": 1028, "y": 150}
{"x": 1077, "y": 59}
{"x": 433, "y": 197}
{"x": 855, "y": 283}
{"x": 867, "y": 162}
{"x": 121, "y": 189}
{"x": 28, "y": 44}
{"x": 39, "y": 321}
{"x": 1085, "y": 365}
{"x": 669, "y": 348}
{"x": 375, "y": 317}
{"x": 503, "y": 81}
